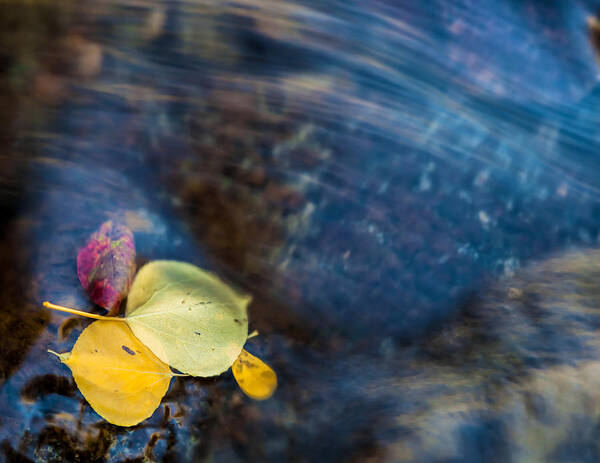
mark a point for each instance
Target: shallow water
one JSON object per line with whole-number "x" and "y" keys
{"x": 369, "y": 172}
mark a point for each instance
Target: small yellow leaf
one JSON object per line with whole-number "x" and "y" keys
{"x": 121, "y": 378}
{"x": 255, "y": 377}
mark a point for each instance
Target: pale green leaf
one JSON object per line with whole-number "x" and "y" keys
{"x": 188, "y": 317}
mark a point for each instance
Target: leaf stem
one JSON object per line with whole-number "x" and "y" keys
{"x": 60, "y": 308}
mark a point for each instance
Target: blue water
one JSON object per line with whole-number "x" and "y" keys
{"x": 435, "y": 147}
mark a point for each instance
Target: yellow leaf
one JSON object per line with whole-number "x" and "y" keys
{"x": 121, "y": 378}
{"x": 255, "y": 377}
{"x": 188, "y": 317}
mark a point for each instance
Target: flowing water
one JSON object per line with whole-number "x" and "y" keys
{"x": 408, "y": 189}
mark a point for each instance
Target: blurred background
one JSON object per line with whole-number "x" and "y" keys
{"x": 364, "y": 169}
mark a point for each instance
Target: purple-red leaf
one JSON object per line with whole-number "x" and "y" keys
{"x": 106, "y": 265}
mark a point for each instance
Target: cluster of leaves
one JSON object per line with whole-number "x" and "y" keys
{"x": 177, "y": 315}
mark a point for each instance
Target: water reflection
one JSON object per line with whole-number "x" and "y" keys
{"x": 362, "y": 170}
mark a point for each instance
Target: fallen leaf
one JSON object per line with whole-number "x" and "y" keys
{"x": 188, "y": 317}
{"x": 121, "y": 378}
{"x": 106, "y": 265}
{"x": 255, "y": 377}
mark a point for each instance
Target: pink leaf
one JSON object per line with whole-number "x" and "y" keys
{"x": 106, "y": 265}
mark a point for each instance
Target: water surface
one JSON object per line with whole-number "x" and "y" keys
{"x": 365, "y": 169}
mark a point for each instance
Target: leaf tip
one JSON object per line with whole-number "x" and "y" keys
{"x": 246, "y": 300}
